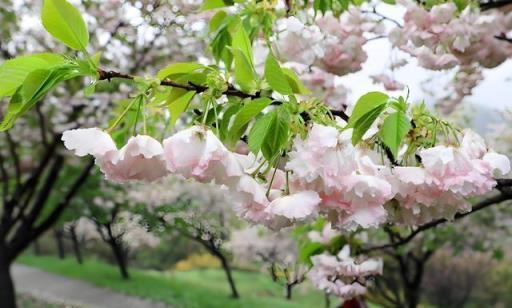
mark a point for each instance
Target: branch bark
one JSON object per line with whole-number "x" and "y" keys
{"x": 477, "y": 207}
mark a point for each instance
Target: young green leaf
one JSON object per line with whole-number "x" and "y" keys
{"x": 365, "y": 122}
{"x": 365, "y": 104}
{"x": 277, "y": 135}
{"x": 394, "y": 129}
{"x": 244, "y": 71}
{"x": 227, "y": 116}
{"x": 35, "y": 86}
{"x": 177, "y": 69}
{"x": 64, "y": 22}
{"x": 13, "y": 72}
{"x": 294, "y": 82}
{"x": 269, "y": 133}
{"x": 215, "y": 4}
{"x": 178, "y": 105}
{"x": 15, "y": 104}
{"x": 241, "y": 41}
{"x": 275, "y": 77}
{"x": 244, "y": 116}
{"x": 216, "y": 21}
{"x": 259, "y": 131}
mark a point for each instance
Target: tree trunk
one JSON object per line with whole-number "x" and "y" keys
{"x": 227, "y": 270}
{"x": 289, "y": 288}
{"x": 120, "y": 256}
{"x": 76, "y": 245}
{"x": 37, "y": 248}
{"x": 60, "y": 243}
{"x": 7, "y": 292}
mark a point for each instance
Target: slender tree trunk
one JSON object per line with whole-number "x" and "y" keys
{"x": 7, "y": 292}
{"x": 37, "y": 248}
{"x": 227, "y": 270}
{"x": 76, "y": 245}
{"x": 60, "y": 242}
{"x": 289, "y": 288}
{"x": 327, "y": 298}
{"x": 120, "y": 256}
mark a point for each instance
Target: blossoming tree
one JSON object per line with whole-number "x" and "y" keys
{"x": 265, "y": 118}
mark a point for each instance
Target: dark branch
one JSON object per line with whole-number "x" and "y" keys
{"x": 231, "y": 90}
{"x": 14, "y": 154}
{"x": 503, "y": 37}
{"x": 54, "y": 215}
{"x": 491, "y": 4}
{"x": 477, "y": 207}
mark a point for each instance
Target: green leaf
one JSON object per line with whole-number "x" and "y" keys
{"x": 241, "y": 41}
{"x": 322, "y": 5}
{"x": 365, "y": 122}
{"x": 64, "y": 22}
{"x": 177, "y": 69}
{"x": 15, "y": 105}
{"x": 393, "y": 130}
{"x": 177, "y": 105}
{"x": 34, "y": 83}
{"x": 269, "y": 134}
{"x": 365, "y": 104}
{"x": 215, "y": 4}
{"x": 277, "y": 135}
{"x": 275, "y": 77}
{"x": 35, "y": 86}
{"x": 244, "y": 116}
{"x": 308, "y": 250}
{"x": 228, "y": 114}
{"x": 259, "y": 132}
{"x": 294, "y": 82}
{"x": 216, "y": 21}
{"x": 13, "y": 72}
{"x": 244, "y": 72}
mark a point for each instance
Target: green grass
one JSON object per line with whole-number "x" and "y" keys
{"x": 196, "y": 288}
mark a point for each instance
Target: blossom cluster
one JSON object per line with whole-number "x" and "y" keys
{"x": 332, "y": 44}
{"x": 442, "y": 37}
{"x": 341, "y": 275}
{"x": 325, "y": 49}
{"x": 324, "y": 175}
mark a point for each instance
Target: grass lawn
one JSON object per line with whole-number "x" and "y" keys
{"x": 196, "y": 288}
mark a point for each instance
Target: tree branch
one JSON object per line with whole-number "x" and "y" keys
{"x": 491, "y": 4}
{"x": 231, "y": 90}
{"x": 54, "y": 215}
{"x": 14, "y": 153}
{"x": 402, "y": 241}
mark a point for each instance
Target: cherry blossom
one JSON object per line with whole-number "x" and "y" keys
{"x": 442, "y": 37}
{"x": 139, "y": 159}
{"x": 198, "y": 153}
{"x": 388, "y": 82}
{"x": 341, "y": 275}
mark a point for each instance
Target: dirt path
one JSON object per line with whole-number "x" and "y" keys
{"x": 58, "y": 289}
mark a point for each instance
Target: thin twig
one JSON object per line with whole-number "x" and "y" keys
{"x": 477, "y": 207}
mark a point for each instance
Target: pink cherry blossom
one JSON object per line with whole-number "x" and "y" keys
{"x": 388, "y": 82}
{"x": 341, "y": 275}
{"x": 88, "y": 141}
{"x": 140, "y": 159}
{"x": 298, "y": 206}
{"x": 196, "y": 152}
